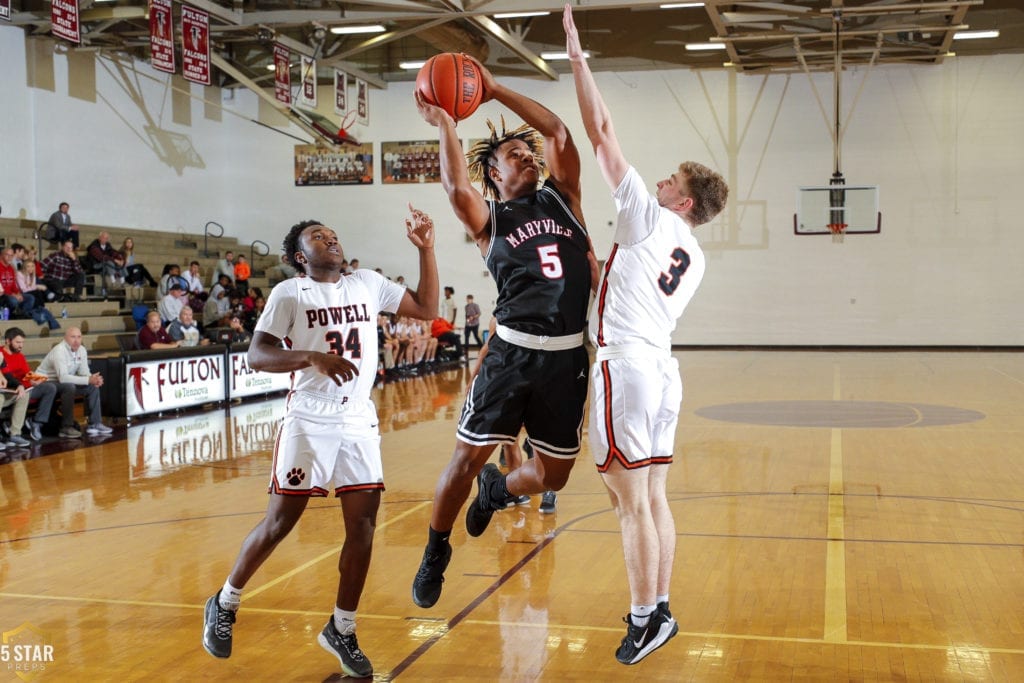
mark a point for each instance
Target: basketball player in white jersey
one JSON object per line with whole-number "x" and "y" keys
{"x": 654, "y": 267}
{"x": 329, "y": 441}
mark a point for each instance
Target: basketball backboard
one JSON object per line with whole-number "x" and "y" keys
{"x": 856, "y": 206}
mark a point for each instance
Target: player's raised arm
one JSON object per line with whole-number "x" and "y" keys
{"x": 421, "y": 303}
{"x": 596, "y": 118}
{"x": 467, "y": 202}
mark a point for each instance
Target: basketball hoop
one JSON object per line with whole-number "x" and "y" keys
{"x": 838, "y": 231}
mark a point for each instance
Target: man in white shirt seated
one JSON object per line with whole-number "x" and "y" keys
{"x": 193, "y": 279}
{"x": 184, "y": 329}
{"x": 171, "y": 304}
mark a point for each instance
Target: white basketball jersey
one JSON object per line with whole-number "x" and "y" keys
{"x": 651, "y": 273}
{"x": 332, "y": 317}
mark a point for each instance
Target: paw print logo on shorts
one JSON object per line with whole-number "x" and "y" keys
{"x": 295, "y": 476}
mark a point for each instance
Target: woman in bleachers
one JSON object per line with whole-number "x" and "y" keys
{"x": 29, "y": 283}
{"x": 135, "y": 273}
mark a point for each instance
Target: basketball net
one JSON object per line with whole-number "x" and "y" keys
{"x": 838, "y": 231}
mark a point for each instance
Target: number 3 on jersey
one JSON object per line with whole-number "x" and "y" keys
{"x": 352, "y": 345}
{"x": 668, "y": 282}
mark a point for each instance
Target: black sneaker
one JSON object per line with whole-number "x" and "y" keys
{"x": 217, "y": 625}
{"x": 663, "y": 608}
{"x": 346, "y": 649}
{"x": 518, "y": 500}
{"x": 547, "y": 503}
{"x": 426, "y": 587}
{"x": 480, "y": 511}
{"x": 641, "y": 641}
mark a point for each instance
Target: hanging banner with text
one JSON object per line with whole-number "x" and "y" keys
{"x": 363, "y": 102}
{"x": 5, "y": 9}
{"x": 282, "y": 74}
{"x": 340, "y": 92}
{"x": 195, "y": 45}
{"x": 308, "y": 93}
{"x": 161, "y": 36}
{"x": 64, "y": 20}
{"x": 173, "y": 383}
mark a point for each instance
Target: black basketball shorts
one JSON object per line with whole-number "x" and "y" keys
{"x": 544, "y": 391}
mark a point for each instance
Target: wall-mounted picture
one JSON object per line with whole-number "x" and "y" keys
{"x": 348, "y": 165}
{"x": 412, "y": 161}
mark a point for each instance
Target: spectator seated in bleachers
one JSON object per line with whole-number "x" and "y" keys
{"x": 30, "y": 285}
{"x": 170, "y": 304}
{"x": 61, "y": 269}
{"x": 25, "y": 386}
{"x": 185, "y": 330}
{"x": 17, "y": 303}
{"x": 154, "y": 336}
{"x": 225, "y": 266}
{"x": 103, "y": 259}
{"x": 242, "y": 273}
{"x": 171, "y": 275}
{"x": 136, "y": 274}
{"x": 239, "y": 335}
{"x": 60, "y": 226}
{"x": 217, "y": 308}
{"x": 67, "y": 365}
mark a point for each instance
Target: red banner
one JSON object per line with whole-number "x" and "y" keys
{"x": 308, "y": 72}
{"x": 161, "y": 35}
{"x": 64, "y": 20}
{"x": 340, "y": 92}
{"x": 362, "y": 102}
{"x": 195, "y": 45}
{"x": 282, "y": 74}
{"x": 5, "y": 9}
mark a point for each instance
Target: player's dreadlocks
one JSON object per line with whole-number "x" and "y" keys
{"x": 480, "y": 156}
{"x": 290, "y": 245}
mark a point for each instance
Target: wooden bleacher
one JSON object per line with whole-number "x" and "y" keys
{"x": 102, "y": 320}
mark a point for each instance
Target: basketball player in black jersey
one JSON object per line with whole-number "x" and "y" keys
{"x": 530, "y": 233}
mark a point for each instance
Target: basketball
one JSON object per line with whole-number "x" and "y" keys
{"x": 451, "y": 81}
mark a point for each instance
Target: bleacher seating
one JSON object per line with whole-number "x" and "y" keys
{"x": 103, "y": 321}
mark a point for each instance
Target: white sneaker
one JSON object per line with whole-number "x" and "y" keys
{"x": 98, "y": 428}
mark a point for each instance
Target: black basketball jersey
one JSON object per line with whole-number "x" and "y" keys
{"x": 538, "y": 257}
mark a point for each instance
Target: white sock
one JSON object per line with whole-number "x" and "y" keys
{"x": 661, "y": 598}
{"x": 230, "y": 597}
{"x": 344, "y": 621}
{"x": 641, "y": 614}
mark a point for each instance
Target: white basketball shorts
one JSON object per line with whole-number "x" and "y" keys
{"x": 324, "y": 445}
{"x": 634, "y": 409}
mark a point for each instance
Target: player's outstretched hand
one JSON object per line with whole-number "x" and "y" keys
{"x": 420, "y": 229}
{"x": 338, "y": 368}
{"x": 572, "y": 36}
{"x": 431, "y": 113}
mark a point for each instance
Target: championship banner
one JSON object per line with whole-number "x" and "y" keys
{"x": 172, "y": 383}
{"x": 161, "y": 36}
{"x": 307, "y": 96}
{"x": 362, "y": 102}
{"x": 244, "y": 381}
{"x": 5, "y": 9}
{"x": 282, "y": 74}
{"x": 64, "y": 20}
{"x": 195, "y": 45}
{"x": 340, "y": 92}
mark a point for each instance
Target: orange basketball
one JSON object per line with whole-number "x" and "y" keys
{"x": 452, "y": 82}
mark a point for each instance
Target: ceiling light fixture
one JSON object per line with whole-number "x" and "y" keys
{"x": 705, "y": 46}
{"x": 974, "y": 35}
{"x": 412, "y": 65}
{"x": 372, "y": 28}
{"x": 560, "y": 55}
{"x": 517, "y": 15}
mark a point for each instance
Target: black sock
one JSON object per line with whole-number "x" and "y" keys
{"x": 438, "y": 539}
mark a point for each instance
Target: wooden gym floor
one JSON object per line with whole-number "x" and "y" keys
{"x": 840, "y": 516}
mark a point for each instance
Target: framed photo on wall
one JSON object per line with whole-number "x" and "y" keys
{"x": 410, "y": 161}
{"x": 322, "y": 165}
